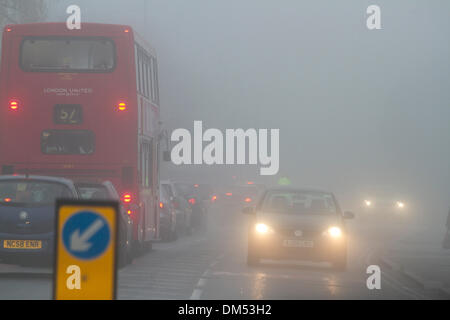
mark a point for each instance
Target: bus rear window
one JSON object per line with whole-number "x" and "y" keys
{"x": 68, "y": 142}
{"x": 71, "y": 54}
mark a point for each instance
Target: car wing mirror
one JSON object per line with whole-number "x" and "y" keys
{"x": 349, "y": 215}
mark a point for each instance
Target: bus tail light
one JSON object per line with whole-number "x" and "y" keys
{"x": 192, "y": 201}
{"x": 14, "y": 105}
{"x": 127, "y": 198}
{"x": 122, "y": 106}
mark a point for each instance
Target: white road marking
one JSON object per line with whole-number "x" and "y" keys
{"x": 196, "y": 295}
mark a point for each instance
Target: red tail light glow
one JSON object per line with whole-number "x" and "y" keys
{"x": 192, "y": 201}
{"x": 196, "y": 186}
{"x": 161, "y": 205}
{"x": 248, "y": 200}
{"x": 122, "y": 106}
{"x": 127, "y": 198}
{"x": 7, "y": 200}
{"x": 14, "y": 105}
{"x": 229, "y": 194}
{"x": 214, "y": 198}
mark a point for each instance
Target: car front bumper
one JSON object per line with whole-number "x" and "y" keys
{"x": 313, "y": 249}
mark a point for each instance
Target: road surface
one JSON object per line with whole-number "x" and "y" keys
{"x": 213, "y": 266}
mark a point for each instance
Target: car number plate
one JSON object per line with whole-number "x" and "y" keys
{"x": 22, "y": 244}
{"x": 298, "y": 243}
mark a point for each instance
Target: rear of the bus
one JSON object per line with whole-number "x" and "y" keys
{"x": 68, "y": 103}
{"x": 68, "y": 106}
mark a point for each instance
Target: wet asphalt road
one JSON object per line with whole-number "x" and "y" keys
{"x": 213, "y": 265}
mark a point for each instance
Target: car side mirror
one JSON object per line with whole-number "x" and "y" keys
{"x": 349, "y": 215}
{"x": 249, "y": 210}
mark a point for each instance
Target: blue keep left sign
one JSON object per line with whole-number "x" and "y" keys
{"x": 86, "y": 235}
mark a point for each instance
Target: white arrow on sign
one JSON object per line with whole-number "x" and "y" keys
{"x": 79, "y": 243}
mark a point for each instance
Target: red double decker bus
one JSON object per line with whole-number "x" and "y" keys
{"x": 84, "y": 104}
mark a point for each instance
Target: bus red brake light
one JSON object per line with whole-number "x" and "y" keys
{"x": 192, "y": 201}
{"x": 14, "y": 105}
{"x": 122, "y": 106}
{"x": 127, "y": 198}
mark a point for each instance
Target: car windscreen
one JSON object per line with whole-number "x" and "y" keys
{"x": 184, "y": 189}
{"x": 93, "y": 192}
{"x": 299, "y": 202}
{"x": 69, "y": 54}
{"x": 32, "y": 192}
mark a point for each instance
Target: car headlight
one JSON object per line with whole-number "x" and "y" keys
{"x": 262, "y": 228}
{"x": 334, "y": 232}
{"x": 400, "y": 205}
{"x": 368, "y": 203}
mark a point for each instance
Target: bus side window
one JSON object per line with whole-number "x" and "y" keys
{"x": 150, "y": 164}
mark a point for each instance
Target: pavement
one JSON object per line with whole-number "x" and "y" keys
{"x": 420, "y": 256}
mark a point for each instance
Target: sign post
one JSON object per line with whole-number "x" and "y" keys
{"x": 86, "y": 250}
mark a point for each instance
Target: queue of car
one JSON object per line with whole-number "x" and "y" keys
{"x": 285, "y": 223}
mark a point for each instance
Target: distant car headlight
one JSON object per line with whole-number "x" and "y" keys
{"x": 262, "y": 228}
{"x": 368, "y": 203}
{"x": 335, "y": 232}
{"x": 400, "y": 205}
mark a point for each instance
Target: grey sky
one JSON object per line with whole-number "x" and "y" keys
{"x": 355, "y": 107}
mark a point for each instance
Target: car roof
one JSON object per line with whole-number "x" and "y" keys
{"x": 41, "y": 178}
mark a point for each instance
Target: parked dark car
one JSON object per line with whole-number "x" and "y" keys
{"x": 27, "y": 214}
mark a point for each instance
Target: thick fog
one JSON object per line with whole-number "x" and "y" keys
{"x": 355, "y": 108}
